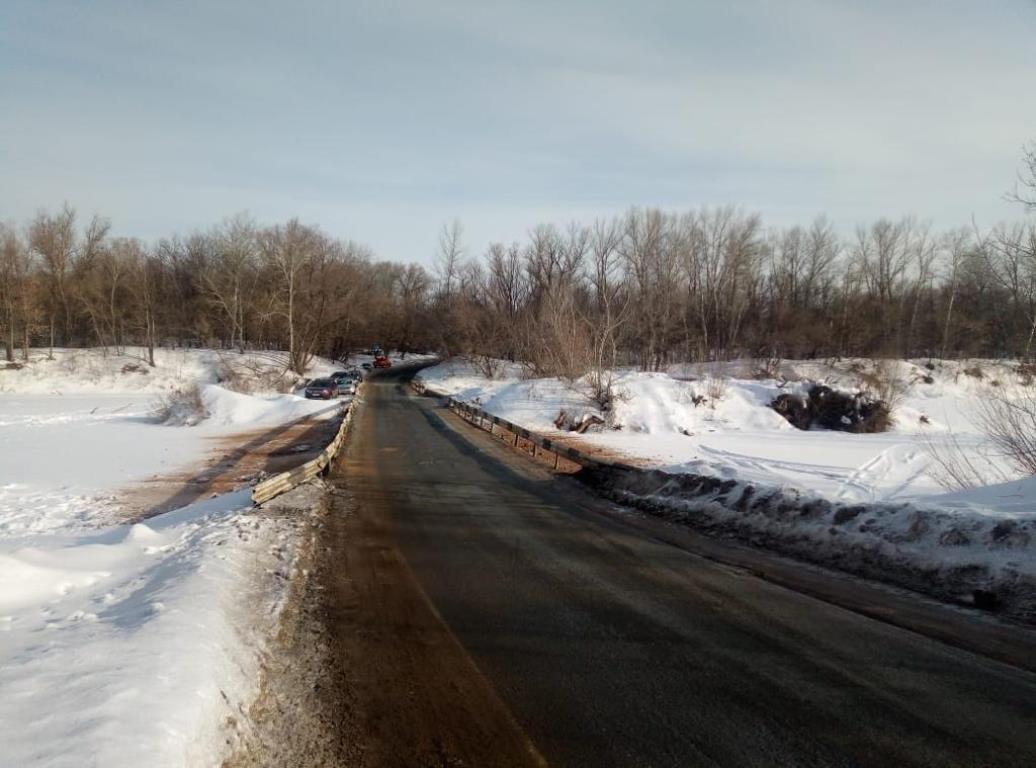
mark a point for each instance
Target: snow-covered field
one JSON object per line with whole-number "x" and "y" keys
{"x": 735, "y": 434}
{"x": 128, "y": 644}
{"x": 874, "y": 504}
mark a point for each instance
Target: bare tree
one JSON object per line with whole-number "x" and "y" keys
{"x": 955, "y": 244}
{"x": 449, "y": 258}
{"x": 14, "y": 278}
{"x": 146, "y": 276}
{"x": 65, "y": 258}
{"x": 1025, "y": 188}
{"x": 609, "y": 310}
{"x": 289, "y": 250}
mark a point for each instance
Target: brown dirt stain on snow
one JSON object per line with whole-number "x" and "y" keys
{"x": 233, "y": 462}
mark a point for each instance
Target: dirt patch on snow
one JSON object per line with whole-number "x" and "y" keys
{"x": 234, "y": 461}
{"x": 600, "y": 453}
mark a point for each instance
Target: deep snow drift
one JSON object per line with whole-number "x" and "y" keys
{"x": 720, "y": 457}
{"x": 129, "y": 644}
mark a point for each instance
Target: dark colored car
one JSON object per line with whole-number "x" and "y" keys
{"x": 367, "y": 366}
{"x": 322, "y": 389}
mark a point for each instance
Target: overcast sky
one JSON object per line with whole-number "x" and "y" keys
{"x": 381, "y": 120}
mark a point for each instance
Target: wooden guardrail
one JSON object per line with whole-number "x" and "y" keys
{"x": 285, "y": 481}
{"x": 564, "y": 458}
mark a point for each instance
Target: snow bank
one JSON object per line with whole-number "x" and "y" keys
{"x": 129, "y": 645}
{"x": 94, "y": 371}
{"x": 227, "y": 408}
{"x": 961, "y": 554}
{"x": 133, "y": 645}
{"x": 703, "y": 419}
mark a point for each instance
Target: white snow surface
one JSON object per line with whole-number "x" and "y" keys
{"x": 737, "y": 435}
{"x": 127, "y": 644}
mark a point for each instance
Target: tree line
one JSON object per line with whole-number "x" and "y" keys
{"x": 238, "y": 285}
{"x": 646, "y": 288}
{"x": 651, "y": 288}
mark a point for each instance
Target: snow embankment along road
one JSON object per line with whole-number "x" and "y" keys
{"x": 138, "y": 644}
{"x": 868, "y": 504}
{"x": 128, "y": 644}
{"x": 734, "y": 433}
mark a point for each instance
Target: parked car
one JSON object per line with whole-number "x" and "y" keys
{"x": 322, "y": 389}
{"x": 346, "y": 381}
{"x": 367, "y": 366}
{"x": 381, "y": 361}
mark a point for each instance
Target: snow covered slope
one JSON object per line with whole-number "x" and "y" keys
{"x": 128, "y": 644}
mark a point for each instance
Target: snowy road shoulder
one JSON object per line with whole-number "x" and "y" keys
{"x": 137, "y": 644}
{"x": 133, "y": 644}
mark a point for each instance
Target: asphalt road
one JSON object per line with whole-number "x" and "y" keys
{"x": 490, "y": 614}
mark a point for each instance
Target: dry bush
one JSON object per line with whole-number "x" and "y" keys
{"x": 1010, "y": 424}
{"x": 885, "y": 383}
{"x": 975, "y": 371}
{"x": 70, "y": 363}
{"x": 716, "y": 387}
{"x": 601, "y": 391}
{"x": 953, "y": 465}
{"x": 249, "y": 375}
{"x": 768, "y": 368}
{"x": 1026, "y": 374}
{"x": 487, "y": 365}
{"x": 181, "y": 408}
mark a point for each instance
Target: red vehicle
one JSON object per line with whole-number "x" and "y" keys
{"x": 382, "y": 361}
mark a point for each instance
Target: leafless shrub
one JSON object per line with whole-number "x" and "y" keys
{"x": 487, "y": 365}
{"x": 1009, "y": 421}
{"x": 1026, "y": 374}
{"x": 601, "y": 389}
{"x": 884, "y": 382}
{"x": 975, "y": 371}
{"x": 560, "y": 342}
{"x": 715, "y": 387}
{"x": 181, "y": 408}
{"x": 70, "y": 363}
{"x": 248, "y": 375}
{"x": 954, "y": 465}
{"x": 766, "y": 368}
